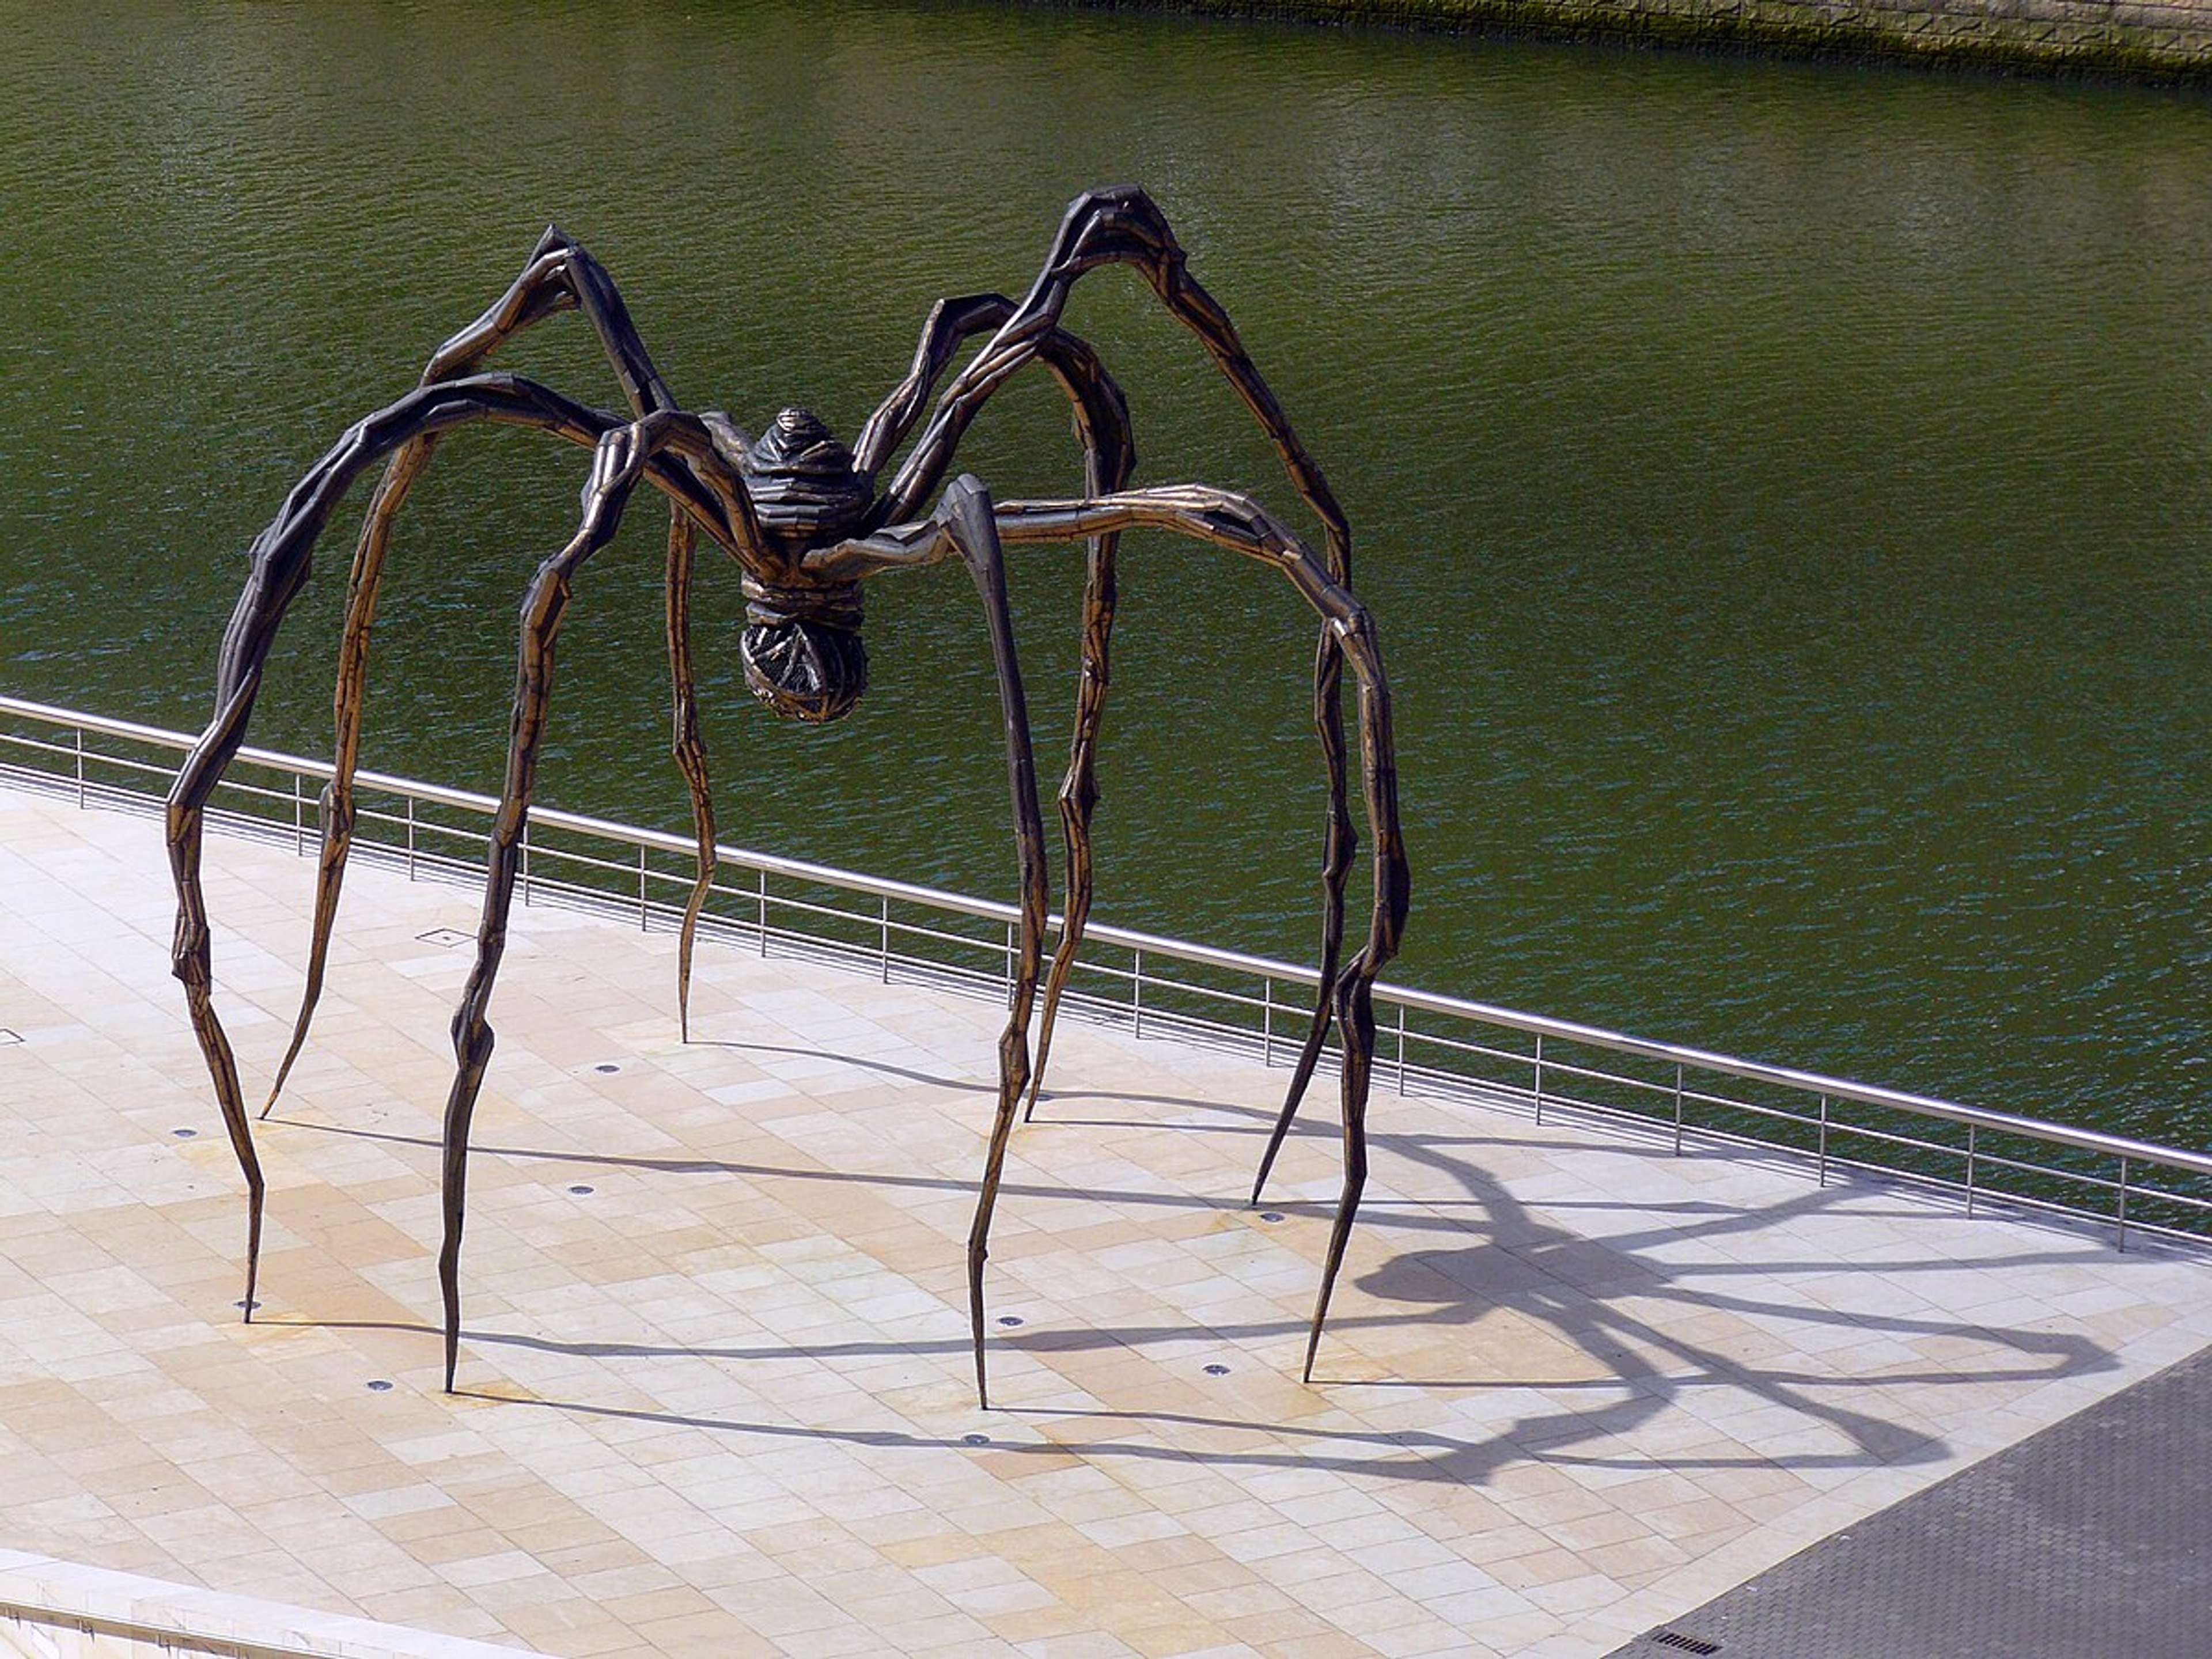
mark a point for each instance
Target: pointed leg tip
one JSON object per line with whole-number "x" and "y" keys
{"x": 1260, "y": 1179}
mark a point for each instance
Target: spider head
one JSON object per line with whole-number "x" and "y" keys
{"x": 802, "y": 649}
{"x": 804, "y": 490}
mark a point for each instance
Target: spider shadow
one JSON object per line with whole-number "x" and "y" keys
{"x": 1631, "y": 1371}
{"x": 1620, "y": 1360}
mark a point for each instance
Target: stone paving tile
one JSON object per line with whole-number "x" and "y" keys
{"x": 721, "y": 1403}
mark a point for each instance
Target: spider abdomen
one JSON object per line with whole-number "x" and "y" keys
{"x": 804, "y": 670}
{"x": 802, "y": 649}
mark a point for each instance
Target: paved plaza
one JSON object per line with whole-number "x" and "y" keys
{"x": 716, "y": 1393}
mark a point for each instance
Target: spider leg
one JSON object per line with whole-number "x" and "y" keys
{"x": 560, "y": 275}
{"x": 967, "y": 518}
{"x": 336, "y": 814}
{"x": 965, "y": 527}
{"x": 691, "y": 755}
{"x": 1340, "y": 847}
{"x": 1079, "y": 790}
{"x": 617, "y": 468}
{"x": 561, "y": 267}
{"x": 1109, "y": 456}
{"x": 1232, "y": 522}
{"x": 1102, "y": 423}
{"x": 1123, "y": 225}
{"x": 281, "y": 561}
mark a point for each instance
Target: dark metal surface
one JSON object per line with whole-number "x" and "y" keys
{"x": 2091, "y": 1540}
{"x": 802, "y": 517}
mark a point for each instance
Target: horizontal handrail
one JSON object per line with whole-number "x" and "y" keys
{"x": 2131, "y": 1151}
{"x": 1816, "y": 1083}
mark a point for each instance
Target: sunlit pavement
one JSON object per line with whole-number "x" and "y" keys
{"x": 716, "y": 1395}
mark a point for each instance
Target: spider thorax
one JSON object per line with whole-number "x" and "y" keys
{"x": 802, "y": 647}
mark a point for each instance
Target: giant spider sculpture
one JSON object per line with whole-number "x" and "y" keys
{"x": 808, "y": 525}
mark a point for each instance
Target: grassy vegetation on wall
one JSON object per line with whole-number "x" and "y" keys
{"x": 2160, "y": 41}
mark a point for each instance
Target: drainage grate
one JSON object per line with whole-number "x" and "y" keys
{"x": 1681, "y": 1643}
{"x": 448, "y": 937}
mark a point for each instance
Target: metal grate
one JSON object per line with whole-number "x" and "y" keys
{"x": 1675, "y": 1639}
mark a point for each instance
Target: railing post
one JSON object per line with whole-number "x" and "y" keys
{"x": 1137, "y": 993}
{"x": 1971, "y": 1129}
{"x": 299, "y": 825}
{"x": 525, "y": 863}
{"x": 410, "y": 837}
{"x": 1678, "y": 1109}
{"x": 2120, "y": 1240}
{"x": 884, "y": 941}
{"x": 1402, "y": 1049}
{"x": 1539, "y": 1079}
{"x": 761, "y": 884}
{"x": 1010, "y": 964}
{"x": 641, "y": 905}
{"x": 79, "y": 730}
{"x": 1267, "y": 1021}
{"x": 1823, "y": 1141}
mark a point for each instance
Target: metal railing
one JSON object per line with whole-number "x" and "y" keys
{"x": 1429, "y": 1045}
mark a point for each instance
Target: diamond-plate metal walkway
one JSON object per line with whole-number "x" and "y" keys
{"x": 2089, "y": 1540}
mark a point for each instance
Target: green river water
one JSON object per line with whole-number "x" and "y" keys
{"x": 1785, "y": 491}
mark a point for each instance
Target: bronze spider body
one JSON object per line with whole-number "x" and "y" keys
{"x": 809, "y": 525}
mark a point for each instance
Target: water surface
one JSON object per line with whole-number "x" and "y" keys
{"x": 1786, "y": 491}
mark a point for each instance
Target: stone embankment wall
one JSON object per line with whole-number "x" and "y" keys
{"x": 2157, "y": 40}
